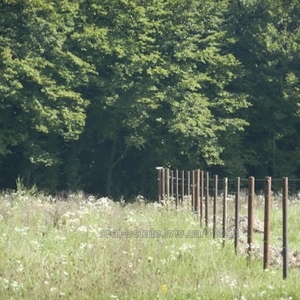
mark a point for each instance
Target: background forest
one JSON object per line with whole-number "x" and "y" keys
{"x": 94, "y": 94}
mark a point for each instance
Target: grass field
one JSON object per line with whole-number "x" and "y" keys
{"x": 87, "y": 248}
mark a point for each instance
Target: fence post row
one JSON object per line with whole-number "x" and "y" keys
{"x": 195, "y": 186}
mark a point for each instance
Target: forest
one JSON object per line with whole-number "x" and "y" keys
{"x": 95, "y": 94}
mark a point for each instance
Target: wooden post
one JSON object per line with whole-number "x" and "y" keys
{"x": 172, "y": 184}
{"x": 225, "y": 192}
{"x": 206, "y": 197}
{"x": 201, "y": 195}
{"x": 284, "y": 228}
{"x": 251, "y": 191}
{"x": 193, "y": 191}
{"x": 168, "y": 183}
{"x": 159, "y": 185}
{"x": 268, "y": 184}
{"x": 189, "y": 183}
{"x": 215, "y": 206}
{"x": 197, "y": 200}
{"x": 182, "y": 186}
{"x": 236, "y": 217}
{"x": 177, "y": 187}
{"x": 163, "y": 184}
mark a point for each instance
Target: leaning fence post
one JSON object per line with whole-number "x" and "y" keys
{"x": 251, "y": 184}
{"x": 284, "y": 227}
{"x": 236, "y": 217}
{"x": 215, "y": 207}
{"x": 225, "y": 191}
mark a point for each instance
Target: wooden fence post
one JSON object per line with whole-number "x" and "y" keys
{"x": 236, "y": 217}
{"x": 268, "y": 185}
{"x": 193, "y": 191}
{"x": 251, "y": 191}
{"x": 201, "y": 195}
{"x": 225, "y": 192}
{"x": 163, "y": 184}
{"x": 182, "y": 186}
{"x": 215, "y": 206}
{"x": 189, "y": 183}
{"x": 206, "y": 197}
{"x": 284, "y": 228}
{"x": 177, "y": 187}
{"x": 158, "y": 183}
{"x": 197, "y": 201}
{"x": 168, "y": 183}
{"x": 172, "y": 184}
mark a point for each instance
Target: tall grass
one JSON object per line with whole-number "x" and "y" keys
{"x": 78, "y": 249}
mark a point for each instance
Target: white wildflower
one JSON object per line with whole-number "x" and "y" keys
{"x": 20, "y": 267}
{"x": 82, "y": 229}
{"x": 186, "y": 247}
{"x": 68, "y": 214}
{"x": 22, "y": 230}
{"x": 104, "y": 201}
{"x": 60, "y": 238}
{"x": 131, "y": 220}
{"x": 233, "y": 284}
{"x": 36, "y": 243}
{"x": 16, "y": 285}
{"x": 85, "y": 246}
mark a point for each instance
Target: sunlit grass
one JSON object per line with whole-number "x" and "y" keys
{"x": 57, "y": 250}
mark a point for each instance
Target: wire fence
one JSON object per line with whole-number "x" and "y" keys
{"x": 204, "y": 193}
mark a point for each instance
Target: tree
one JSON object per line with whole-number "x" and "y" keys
{"x": 163, "y": 83}
{"x": 40, "y": 103}
{"x": 267, "y": 44}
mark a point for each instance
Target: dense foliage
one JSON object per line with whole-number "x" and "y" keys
{"x": 95, "y": 94}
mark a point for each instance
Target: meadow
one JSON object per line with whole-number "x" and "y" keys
{"x": 81, "y": 247}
